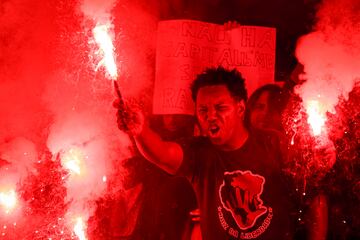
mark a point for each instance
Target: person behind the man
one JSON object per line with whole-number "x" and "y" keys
{"x": 235, "y": 174}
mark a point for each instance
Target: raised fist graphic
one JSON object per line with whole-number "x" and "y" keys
{"x": 240, "y": 194}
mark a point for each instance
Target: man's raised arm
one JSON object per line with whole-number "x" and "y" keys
{"x": 166, "y": 155}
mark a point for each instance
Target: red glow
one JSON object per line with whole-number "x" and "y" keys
{"x": 55, "y": 103}
{"x": 51, "y": 96}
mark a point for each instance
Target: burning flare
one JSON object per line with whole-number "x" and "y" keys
{"x": 73, "y": 160}
{"x": 316, "y": 116}
{"x": 79, "y": 229}
{"x": 8, "y": 200}
{"x": 103, "y": 39}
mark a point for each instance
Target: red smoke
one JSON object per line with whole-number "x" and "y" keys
{"x": 330, "y": 54}
{"x": 52, "y": 97}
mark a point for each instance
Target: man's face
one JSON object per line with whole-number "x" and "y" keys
{"x": 218, "y": 114}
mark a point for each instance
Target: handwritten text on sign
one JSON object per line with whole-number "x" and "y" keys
{"x": 185, "y": 48}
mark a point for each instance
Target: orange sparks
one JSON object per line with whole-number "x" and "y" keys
{"x": 103, "y": 39}
{"x": 8, "y": 200}
{"x": 79, "y": 229}
{"x": 316, "y": 116}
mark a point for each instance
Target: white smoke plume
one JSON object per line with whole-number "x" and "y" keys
{"x": 330, "y": 54}
{"x": 98, "y": 10}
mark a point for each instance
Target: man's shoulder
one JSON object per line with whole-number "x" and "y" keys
{"x": 271, "y": 140}
{"x": 274, "y": 143}
{"x": 198, "y": 145}
{"x": 267, "y": 136}
{"x": 194, "y": 141}
{"x": 265, "y": 133}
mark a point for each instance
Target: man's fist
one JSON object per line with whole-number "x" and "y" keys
{"x": 231, "y": 25}
{"x": 241, "y": 196}
{"x": 130, "y": 118}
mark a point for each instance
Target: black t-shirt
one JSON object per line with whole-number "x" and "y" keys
{"x": 240, "y": 193}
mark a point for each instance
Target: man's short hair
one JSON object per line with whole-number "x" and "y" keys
{"x": 232, "y": 79}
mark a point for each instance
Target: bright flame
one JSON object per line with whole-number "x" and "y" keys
{"x": 73, "y": 160}
{"x": 8, "y": 200}
{"x": 103, "y": 39}
{"x": 316, "y": 116}
{"x": 79, "y": 229}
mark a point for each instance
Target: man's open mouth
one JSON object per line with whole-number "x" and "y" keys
{"x": 214, "y": 129}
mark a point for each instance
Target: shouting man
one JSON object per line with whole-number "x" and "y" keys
{"x": 235, "y": 173}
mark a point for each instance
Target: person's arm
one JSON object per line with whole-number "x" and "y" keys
{"x": 318, "y": 211}
{"x": 317, "y": 226}
{"x": 166, "y": 155}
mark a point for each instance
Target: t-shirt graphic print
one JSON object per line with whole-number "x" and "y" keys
{"x": 240, "y": 195}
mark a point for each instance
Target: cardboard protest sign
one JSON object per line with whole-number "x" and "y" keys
{"x": 186, "y": 47}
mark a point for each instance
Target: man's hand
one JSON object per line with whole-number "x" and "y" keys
{"x": 130, "y": 118}
{"x": 166, "y": 155}
{"x": 231, "y": 25}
